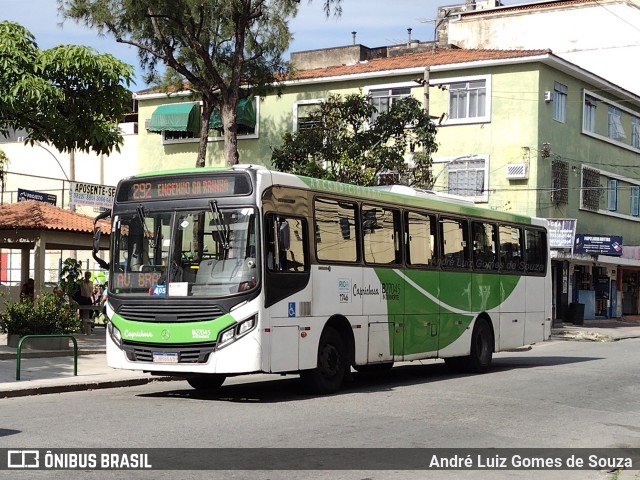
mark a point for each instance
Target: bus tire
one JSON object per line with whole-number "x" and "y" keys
{"x": 374, "y": 367}
{"x": 332, "y": 365}
{"x": 479, "y": 359}
{"x": 481, "y": 347}
{"x": 206, "y": 382}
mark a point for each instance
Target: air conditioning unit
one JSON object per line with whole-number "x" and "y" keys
{"x": 548, "y": 96}
{"x": 517, "y": 171}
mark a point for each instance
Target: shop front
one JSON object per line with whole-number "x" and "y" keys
{"x": 593, "y": 276}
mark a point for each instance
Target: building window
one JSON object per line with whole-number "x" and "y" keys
{"x": 179, "y": 135}
{"x": 635, "y": 132}
{"x": 591, "y": 189}
{"x": 635, "y": 201}
{"x": 559, "y": 102}
{"x": 560, "y": 182}
{"x": 302, "y": 111}
{"x": 383, "y": 99}
{"x": 612, "y": 195}
{"x": 246, "y": 119}
{"x": 589, "y": 114}
{"x": 467, "y": 99}
{"x": 467, "y": 178}
{"x": 615, "y": 126}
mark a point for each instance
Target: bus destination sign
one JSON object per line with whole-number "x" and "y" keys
{"x": 192, "y": 186}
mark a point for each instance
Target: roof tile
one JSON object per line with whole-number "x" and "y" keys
{"x": 422, "y": 59}
{"x": 34, "y": 215}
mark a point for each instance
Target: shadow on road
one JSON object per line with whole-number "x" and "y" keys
{"x": 259, "y": 389}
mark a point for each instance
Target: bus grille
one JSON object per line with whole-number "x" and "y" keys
{"x": 186, "y": 354}
{"x": 170, "y": 313}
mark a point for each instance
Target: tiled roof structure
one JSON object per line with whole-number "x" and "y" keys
{"x": 441, "y": 56}
{"x": 527, "y": 7}
{"x": 422, "y": 59}
{"x": 34, "y": 215}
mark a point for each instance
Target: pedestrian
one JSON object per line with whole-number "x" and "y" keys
{"x": 27, "y": 291}
{"x": 85, "y": 299}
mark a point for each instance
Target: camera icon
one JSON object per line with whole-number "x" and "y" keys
{"x": 23, "y": 459}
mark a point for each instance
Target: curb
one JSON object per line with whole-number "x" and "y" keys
{"x": 80, "y": 387}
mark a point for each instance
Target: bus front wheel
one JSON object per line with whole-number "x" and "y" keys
{"x": 332, "y": 365}
{"x": 206, "y": 382}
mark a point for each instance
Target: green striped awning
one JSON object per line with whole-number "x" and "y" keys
{"x": 245, "y": 113}
{"x": 176, "y": 117}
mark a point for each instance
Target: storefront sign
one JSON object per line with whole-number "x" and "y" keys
{"x": 91, "y": 195}
{"x": 598, "y": 244}
{"x": 561, "y": 232}
{"x": 40, "y": 197}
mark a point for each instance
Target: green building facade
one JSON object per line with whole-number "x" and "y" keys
{"x": 519, "y": 131}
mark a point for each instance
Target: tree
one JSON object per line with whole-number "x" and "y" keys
{"x": 341, "y": 142}
{"x": 225, "y": 50}
{"x": 69, "y": 96}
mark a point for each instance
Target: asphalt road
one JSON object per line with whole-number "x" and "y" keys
{"x": 556, "y": 395}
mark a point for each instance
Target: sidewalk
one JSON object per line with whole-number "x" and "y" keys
{"x": 599, "y": 330}
{"x": 51, "y": 371}
{"x": 44, "y": 371}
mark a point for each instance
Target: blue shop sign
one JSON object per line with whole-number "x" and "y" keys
{"x": 24, "y": 195}
{"x": 598, "y": 244}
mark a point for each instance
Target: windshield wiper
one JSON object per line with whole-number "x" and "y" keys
{"x": 141, "y": 217}
{"x": 220, "y": 225}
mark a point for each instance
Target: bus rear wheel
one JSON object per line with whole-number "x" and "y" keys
{"x": 481, "y": 354}
{"x": 206, "y": 382}
{"x": 332, "y": 365}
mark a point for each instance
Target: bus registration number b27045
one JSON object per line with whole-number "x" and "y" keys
{"x": 163, "y": 357}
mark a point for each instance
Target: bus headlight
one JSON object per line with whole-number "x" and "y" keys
{"x": 114, "y": 333}
{"x": 238, "y": 330}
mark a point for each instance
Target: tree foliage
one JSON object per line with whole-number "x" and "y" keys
{"x": 224, "y": 50}
{"x": 69, "y": 96}
{"x": 217, "y": 46}
{"x": 341, "y": 142}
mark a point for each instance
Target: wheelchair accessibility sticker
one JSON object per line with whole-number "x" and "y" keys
{"x": 292, "y": 309}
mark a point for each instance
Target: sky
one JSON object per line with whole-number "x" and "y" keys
{"x": 377, "y": 23}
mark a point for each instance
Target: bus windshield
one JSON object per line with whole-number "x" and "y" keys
{"x": 208, "y": 252}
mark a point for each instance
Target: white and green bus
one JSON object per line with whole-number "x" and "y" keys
{"x": 216, "y": 272}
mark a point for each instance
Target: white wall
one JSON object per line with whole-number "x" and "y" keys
{"x": 601, "y": 37}
{"x": 46, "y": 170}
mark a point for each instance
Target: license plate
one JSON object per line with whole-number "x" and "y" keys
{"x": 165, "y": 357}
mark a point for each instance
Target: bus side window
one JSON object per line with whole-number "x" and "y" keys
{"x": 455, "y": 248}
{"x": 511, "y": 249}
{"x": 286, "y": 237}
{"x": 484, "y": 246}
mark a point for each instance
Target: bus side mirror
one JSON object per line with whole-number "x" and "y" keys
{"x": 285, "y": 236}
{"x": 97, "y": 235}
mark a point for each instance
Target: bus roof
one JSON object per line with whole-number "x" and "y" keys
{"x": 395, "y": 194}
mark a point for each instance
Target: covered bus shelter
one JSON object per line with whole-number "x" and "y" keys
{"x": 33, "y": 226}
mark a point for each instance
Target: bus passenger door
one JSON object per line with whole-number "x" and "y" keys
{"x": 455, "y": 288}
{"x": 381, "y": 306}
{"x": 421, "y": 319}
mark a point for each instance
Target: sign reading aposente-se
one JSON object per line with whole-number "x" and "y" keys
{"x": 91, "y": 195}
